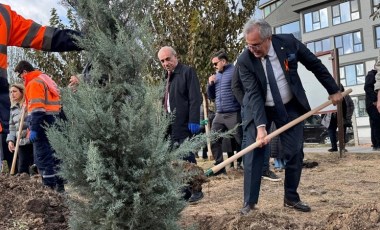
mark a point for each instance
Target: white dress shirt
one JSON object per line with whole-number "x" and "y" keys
{"x": 282, "y": 83}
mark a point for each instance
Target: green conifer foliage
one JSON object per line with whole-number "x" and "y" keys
{"x": 114, "y": 153}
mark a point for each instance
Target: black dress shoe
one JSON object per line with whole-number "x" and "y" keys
{"x": 247, "y": 208}
{"x": 299, "y": 205}
{"x": 196, "y": 196}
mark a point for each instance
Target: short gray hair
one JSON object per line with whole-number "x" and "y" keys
{"x": 264, "y": 28}
{"x": 171, "y": 49}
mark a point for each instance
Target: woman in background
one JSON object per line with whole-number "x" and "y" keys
{"x": 25, "y": 151}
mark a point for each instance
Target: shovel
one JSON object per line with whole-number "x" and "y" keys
{"x": 21, "y": 124}
{"x": 216, "y": 168}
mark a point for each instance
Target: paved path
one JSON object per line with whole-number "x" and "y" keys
{"x": 350, "y": 149}
{"x": 364, "y": 147}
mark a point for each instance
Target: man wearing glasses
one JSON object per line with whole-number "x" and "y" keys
{"x": 44, "y": 108}
{"x": 274, "y": 92}
{"x": 227, "y": 107}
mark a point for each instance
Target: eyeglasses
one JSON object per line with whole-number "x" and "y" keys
{"x": 19, "y": 75}
{"x": 255, "y": 46}
{"x": 215, "y": 63}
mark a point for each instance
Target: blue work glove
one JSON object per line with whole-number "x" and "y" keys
{"x": 194, "y": 128}
{"x": 32, "y": 136}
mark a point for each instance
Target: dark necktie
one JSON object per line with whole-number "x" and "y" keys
{"x": 278, "y": 104}
{"x": 167, "y": 87}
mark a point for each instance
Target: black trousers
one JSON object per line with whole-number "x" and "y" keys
{"x": 223, "y": 122}
{"x": 292, "y": 143}
{"x": 374, "y": 121}
{"x": 25, "y": 158}
{"x": 188, "y": 189}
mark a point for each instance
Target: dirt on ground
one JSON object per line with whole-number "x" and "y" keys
{"x": 26, "y": 204}
{"x": 342, "y": 192}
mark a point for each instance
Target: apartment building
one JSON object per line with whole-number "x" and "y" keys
{"x": 323, "y": 25}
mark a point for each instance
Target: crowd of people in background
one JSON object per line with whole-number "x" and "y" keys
{"x": 253, "y": 97}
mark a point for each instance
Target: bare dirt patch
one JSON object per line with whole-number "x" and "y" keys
{"x": 26, "y": 204}
{"x": 343, "y": 193}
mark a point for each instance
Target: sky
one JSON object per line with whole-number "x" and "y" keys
{"x": 38, "y": 10}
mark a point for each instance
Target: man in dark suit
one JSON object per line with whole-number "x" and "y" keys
{"x": 274, "y": 92}
{"x": 373, "y": 113}
{"x": 183, "y": 98}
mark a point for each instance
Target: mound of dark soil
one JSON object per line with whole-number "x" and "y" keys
{"x": 26, "y": 204}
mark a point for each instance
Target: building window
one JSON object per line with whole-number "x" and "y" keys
{"x": 293, "y": 28}
{"x": 345, "y": 12}
{"x": 319, "y": 46}
{"x": 352, "y": 74}
{"x": 377, "y": 36}
{"x": 360, "y": 108}
{"x": 316, "y": 20}
{"x": 270, "y": 8}
{"x": 349, "y": 43}
{"x": 374, "y": 4}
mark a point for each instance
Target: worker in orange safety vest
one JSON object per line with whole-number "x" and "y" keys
{"x": 44, "y": 107}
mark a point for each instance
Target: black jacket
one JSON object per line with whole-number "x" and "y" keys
{"x": 185, "y": 100}
{"x": 369, "y": 88}
{"x": 237, "y": 87}
{"x": 290, "y": 50}
{"x": 5, "y": 104}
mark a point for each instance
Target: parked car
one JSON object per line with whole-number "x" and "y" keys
{"x": 315, "y": 132}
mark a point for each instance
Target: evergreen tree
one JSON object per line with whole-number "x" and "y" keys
{"x": 113, "y": 147}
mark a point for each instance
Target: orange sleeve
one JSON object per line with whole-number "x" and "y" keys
{"x": 25, "y": 32}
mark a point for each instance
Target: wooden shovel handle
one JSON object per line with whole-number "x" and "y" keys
{"x": 21, "y": 125}
{"x": 207, "y": 127}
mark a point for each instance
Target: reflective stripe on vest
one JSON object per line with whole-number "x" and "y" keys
{"x": 3, "y": 49}
{"x": 5, "y": 25}
{"x": 3, "y": 61}
{"x": 48, "y": 176}
{"x": 7, "y": 19}
{"x": 33, "y": 30}
{"x": 48, "y": 37}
